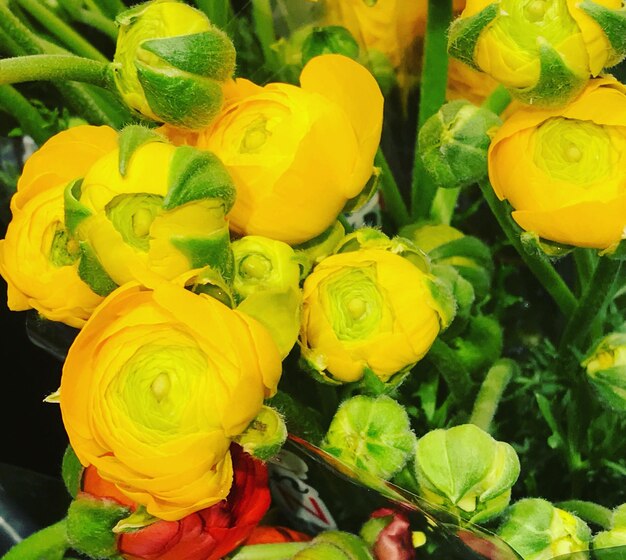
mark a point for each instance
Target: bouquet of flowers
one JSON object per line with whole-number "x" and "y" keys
{"x": 334, "y": 279}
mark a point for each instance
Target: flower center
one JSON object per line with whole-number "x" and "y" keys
{"x": 255, "y": 266}
{"x": 142, "y": 220}
{"x": 161, "y": 386}
{"x": 357, "y": 307}
{"x": 255, "y": 136}
{"x": 536, "y": 10}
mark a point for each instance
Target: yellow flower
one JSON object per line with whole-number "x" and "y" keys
{"x": 156, "y": 386}
{"x": 564, "y": 170}
{"x": 297, "y": 154}
{"x": 37, "y": 258}
{"x": 149, "y": 211}
{"x": 367, "y": 308}
{"x": 386, "y": 26}
{"x": 544, "y": 51}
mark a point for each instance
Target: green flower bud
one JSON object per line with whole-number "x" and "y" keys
{"x": 453, "y": 143}
{"x": 335, "y": 545}
{"x": 371, "y": 434}
{"x": 543, "y": 51}
{"x": 466, "y": 471}
{"x": 90, "y": 523}
{"x": 480, "y": 344}
{"x": 170, "y": 63}
{"x": 267, "y": 285}
{"x": 446, "y": 245}
{"x": 329, "y": 39}
{"x": 265, "y": 435}
{"x": 606, "y": 370}
{"x": 615, "y": 536}
{"x": 537, "y": 530}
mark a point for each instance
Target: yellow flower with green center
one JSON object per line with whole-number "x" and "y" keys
{"x": 564, "y": 170}
{"x": 368, "y": 308}
{"x": 38, "y": 258}
{"x": 156, "y": 387}
{"x": 297, "y": 155}
{"x": 544, "y": 51}
{"x": 170, "y": 63}
{"x": 149, "y": 211}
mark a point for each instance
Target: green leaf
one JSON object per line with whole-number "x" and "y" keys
{"x": 613, "y": 24}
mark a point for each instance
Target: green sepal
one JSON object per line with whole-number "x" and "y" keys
{"x": 335, "y": 545}
{"x": 183, "y": 100}
{"x": 462, "y": 292}
{"x": 316, "y": 374}
{"x": 444, "y": 298}
{"x": 371, "y": 384}
{"x": 301, "y": 420}
{"x": 265, "y": 435}
{"x": 365, "y": 195}
{"x": 537, "y": 247}
{"x": 465, "y": 32}
{"x": 138, "y": 519}
{"x": 128, "y": 16}
{"x": 481, "y": 344}
{"x": 617, "y": 251}
{"x": 613, "y": 24}
{"x": 198, "y": 175}
{"x": 93, "y": 273}
{"x": 209, "y": 281}
{"x": 75, "y": 212}
{"x": 71, "y": 471}
{"x": 131, "y": 138}
{"x": 557, "y": 83}
{"x": 213, "y": 250}
{"x": 90, "y": 523}
{"x": 610, "y": 386}
{"x": 210, "y": 54}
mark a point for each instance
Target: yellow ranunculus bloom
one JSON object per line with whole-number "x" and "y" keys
{"x": 544, "y": 51}
{"x": 387, "y": 26}
{"x": 367, "y": 308}
{"x": 37, "y": 259}
{"x": 152, "y": 213}
{"x": 297, "y": 154}
{"x": 156, "y": 386}
{"x": 564, "y": 170}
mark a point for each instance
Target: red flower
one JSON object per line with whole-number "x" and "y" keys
{"x": 394, "y": 542}
{"x": 208, "y": 534}
{"x": 266, "y": 534}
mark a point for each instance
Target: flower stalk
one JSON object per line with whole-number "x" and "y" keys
{"x": 391, "y": 193}
{"x": 50, "y": 543}
{"x": 29, "y": 119}
{"x": 491, "y": 391}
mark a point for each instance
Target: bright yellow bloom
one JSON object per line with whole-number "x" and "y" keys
{"x": 37, "y": 258}
{"x": 156, "y": 386}
{"x": 543, "y": 50}
{"x": 297, "y": 154}
{"x": 564, "y": 170}
{"x": 151, "y": 214}
{"x": 367, "y": 308}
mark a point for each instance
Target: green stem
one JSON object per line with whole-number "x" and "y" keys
{"x": 29, "y": 118}
{"x": 445, "y": 200}
{"x": 98, "y": 22}
{"x": 589, "y": 512}
{"x": 491, "y": 392}
{"x": 451, "y": 369}
{"x": 599, "y": 292}
{"x": 585, "y": 262}
{"x": 64, "y": 67}
{"x": 18, "y": 32}
{"x": 264, "y": 28}
{"x": 218, "y": 11}
{"x": 539, "y": 265}
{"x": 57, "y": 27}
{"x": 391, "y": 195}
{"x": 50, "y": 543}
{"x": 274, "y": 551}
{"x": 110, "y": 8}
{"x": 8, "y": 46}
{"x": 433, "y": 87}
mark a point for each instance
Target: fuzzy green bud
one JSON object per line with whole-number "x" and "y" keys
{"x": 606, "y": 370}
{"x": 453, "y": 143}
{"x": 265, "y": 435}
{"x": 537, "y": 530}
{"x": 170, "y": 63}
{"x": 329, "y": 39}
{"x": 467, "y": 471}
{"x": 614, "y": 537}
{"x": 371, "y": 434}
{"x": 335, "y": 545}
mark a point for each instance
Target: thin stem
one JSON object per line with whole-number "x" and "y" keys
{"x": 539, "y": 265}
{"x": 585, "y": 262}
{"x": 110, "y": 8}
{"x": 451, "y": 368}
{"x": 50, "y": 543}
{"x": 97, "y": 21}
{"x": 433, "y": 86}
{"x": 18, "y": 32}
{"x": 274, "y": 551}
{"x": 53, "y": 67}
{"x": 29, "y": 118}
{"x": 218, "y": 11}
{"x": 588, "y": 511}
{"x": 599, "y": 292}
{"x": 491, "y": 391}
{"x": 264, "y": 28}
{"x": 392, "y": 197}
{"x": 57, "y": 27}
{"x": 498, "y": 100}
